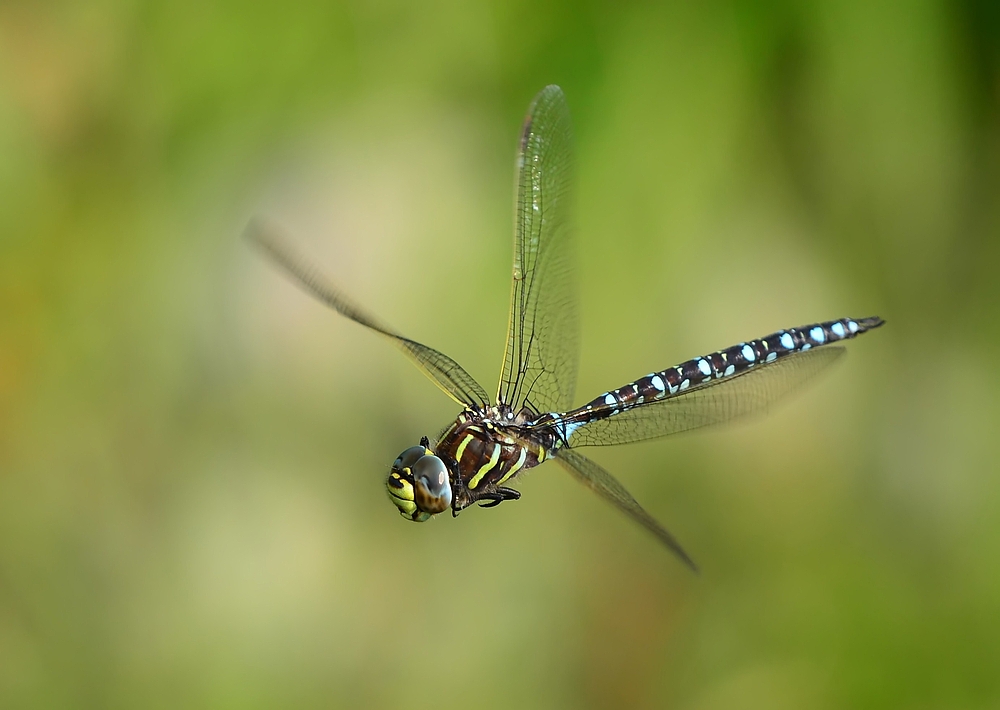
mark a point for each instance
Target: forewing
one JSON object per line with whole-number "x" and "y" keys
{"x": 713, "y": 403}
{"x": 445, "y": 372}
{"x": 608, "y": 487}
{"x": 540, "y": 362}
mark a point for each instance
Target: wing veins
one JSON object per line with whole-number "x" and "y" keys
{"x": 539, "y": 345}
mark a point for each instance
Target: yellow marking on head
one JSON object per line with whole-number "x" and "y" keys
{"x": 405, "y": 493}
{"x": 461, "y": 447}
{"x": 487, "y": 467}
{"x": 542, "y": 453}
{"x": 407, "y": 509}
{"x": 516, "y": 467}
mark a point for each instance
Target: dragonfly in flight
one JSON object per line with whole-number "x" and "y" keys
{"x": 492, "y": 443}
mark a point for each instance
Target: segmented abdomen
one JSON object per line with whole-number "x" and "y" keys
{"x": 719, "y": 365}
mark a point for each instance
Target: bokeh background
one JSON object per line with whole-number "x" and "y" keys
{"x": 192, "y": 451}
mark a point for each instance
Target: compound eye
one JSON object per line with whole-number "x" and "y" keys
{"x": 408, "y": 458}
{"x": 431, "y": 485}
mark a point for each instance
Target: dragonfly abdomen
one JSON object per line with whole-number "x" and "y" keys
{"x": 731, "y": 362}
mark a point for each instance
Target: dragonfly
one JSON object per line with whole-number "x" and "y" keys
{"x": 493, "y": 442}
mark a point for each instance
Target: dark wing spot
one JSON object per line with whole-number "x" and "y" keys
{"x": 526, "y": 133}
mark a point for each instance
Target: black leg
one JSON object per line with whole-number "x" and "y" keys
{"x": 499, "y": 496}
{"x": 509, "y": 493}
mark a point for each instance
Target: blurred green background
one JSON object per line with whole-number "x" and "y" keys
{"x": 192, "y": 451}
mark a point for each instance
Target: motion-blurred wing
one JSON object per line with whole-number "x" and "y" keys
{"x": 608, "y": 487}
{"x": 445, "y": 372}
{"x": 540, "y": 362}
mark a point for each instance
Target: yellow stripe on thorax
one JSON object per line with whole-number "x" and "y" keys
{"x": 487, "y": 467}
{"x": 461, "y": 447}
{"x": 516, "y": 467}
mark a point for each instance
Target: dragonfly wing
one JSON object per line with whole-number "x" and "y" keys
{"x": 540, "y": 362}
{"x": 719, "y": 401}
{"x": 445, "y": 372}
{"x": 607, "y": 486}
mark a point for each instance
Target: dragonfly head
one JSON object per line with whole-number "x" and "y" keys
{"x": 418, "y": 484}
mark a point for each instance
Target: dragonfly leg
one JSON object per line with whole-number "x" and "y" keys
{"x": 509, "y": 493}
{"x": 499, "y": 496}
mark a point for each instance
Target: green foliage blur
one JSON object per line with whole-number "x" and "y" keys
{"x": 192, "y": 451}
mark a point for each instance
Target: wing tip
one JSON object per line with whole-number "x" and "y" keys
{"x": 692, "y": 565}
{"x": 552, "y": 92}
{"x": 256, "y": 229}
{"x": 679, "y": 551}
{"x": 549, "y": 94}
{"x": 264, "y": 235}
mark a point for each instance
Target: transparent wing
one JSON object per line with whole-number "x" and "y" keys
{"x": 540, "y": 362}
{"x": 713, "y": 403}
{"x": 607, "y": 486}
{"x": 445, "y": 372}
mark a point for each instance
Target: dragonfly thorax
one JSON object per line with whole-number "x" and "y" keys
{"x": 486, "y": 449}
